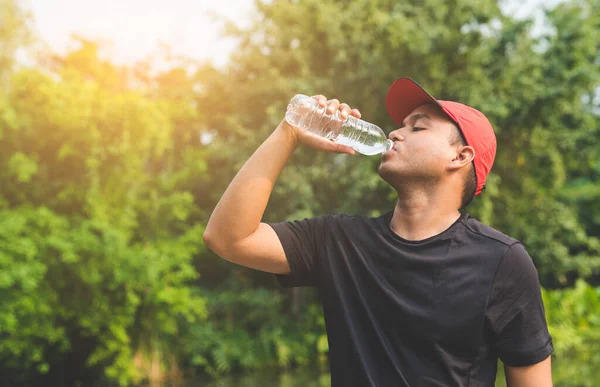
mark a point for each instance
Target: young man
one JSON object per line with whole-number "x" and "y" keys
{"x": 421, "y": 296}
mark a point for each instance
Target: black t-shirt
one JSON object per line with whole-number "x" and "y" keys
{"x": 436, "y": 312}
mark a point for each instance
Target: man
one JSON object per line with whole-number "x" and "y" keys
{"x": 421, "y": 296}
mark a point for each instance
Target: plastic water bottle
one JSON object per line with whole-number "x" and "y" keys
{"x": 304, "y": 112}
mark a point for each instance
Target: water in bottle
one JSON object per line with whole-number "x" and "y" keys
{"x": 304, "y": 112}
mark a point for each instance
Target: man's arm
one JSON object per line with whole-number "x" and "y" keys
{"x": 234, "y": 230}
{"x": 536, "y": 375}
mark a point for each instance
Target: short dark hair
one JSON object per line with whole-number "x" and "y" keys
{"x": 471, "y": 179}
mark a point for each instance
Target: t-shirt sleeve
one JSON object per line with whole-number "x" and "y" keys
{"x": 302, "y": 241}
{"x": 515, "y": 312}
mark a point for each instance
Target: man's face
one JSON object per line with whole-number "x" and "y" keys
{"x": 422, "y": 148}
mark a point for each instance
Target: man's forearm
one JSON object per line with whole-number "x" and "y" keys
{"x": 240, "y": 210}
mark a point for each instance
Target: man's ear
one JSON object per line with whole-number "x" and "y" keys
{"x": 464, "y": 156}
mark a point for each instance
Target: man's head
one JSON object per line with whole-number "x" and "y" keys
{"x": 437, "y": 143}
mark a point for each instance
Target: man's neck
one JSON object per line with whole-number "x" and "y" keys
{"x": 419, "y": 216}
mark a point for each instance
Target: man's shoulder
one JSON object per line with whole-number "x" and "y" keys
{"x": 486, "y": 233}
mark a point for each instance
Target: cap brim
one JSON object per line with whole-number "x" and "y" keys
{"x": 404, "y": 96}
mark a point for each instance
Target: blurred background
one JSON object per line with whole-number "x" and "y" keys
{"x": 122, "y": 123}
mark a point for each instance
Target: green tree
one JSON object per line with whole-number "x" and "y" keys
{"x": 105, "y": 186}
{"x": 98, "y": 229}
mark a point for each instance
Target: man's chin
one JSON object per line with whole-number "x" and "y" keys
{"x": 386, "y": 173}
{"x": 394, "y": 176}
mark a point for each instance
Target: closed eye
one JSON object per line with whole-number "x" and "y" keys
{"x": 416, "y": 129}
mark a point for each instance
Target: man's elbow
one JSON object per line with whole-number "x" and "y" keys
{"x": 210, "y": 240}
{"x": 217, "y": 245}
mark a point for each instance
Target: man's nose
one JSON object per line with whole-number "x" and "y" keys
{"x": 395, "y": 135}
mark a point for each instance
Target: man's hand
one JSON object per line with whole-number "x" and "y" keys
{"x": 317, "y": 142}
{"x": 537, "y": 375}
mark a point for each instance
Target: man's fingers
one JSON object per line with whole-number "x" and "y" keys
{"x": 344, "y": 149}
{"x": 332, "y": 105}
{"x": 344, "y": 110}
{"x": 321, "y": 100}
{"x": 320, "y": 143}
{"x": 339, "y": 148}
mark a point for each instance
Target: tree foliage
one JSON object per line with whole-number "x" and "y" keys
{"x": 105, "y": 185}
{"x": 98, "y": 225}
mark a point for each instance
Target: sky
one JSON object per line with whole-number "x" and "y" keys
{"x": 136, "y": 28}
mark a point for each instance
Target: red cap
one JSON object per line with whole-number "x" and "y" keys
{"x": 405, "y": 95}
